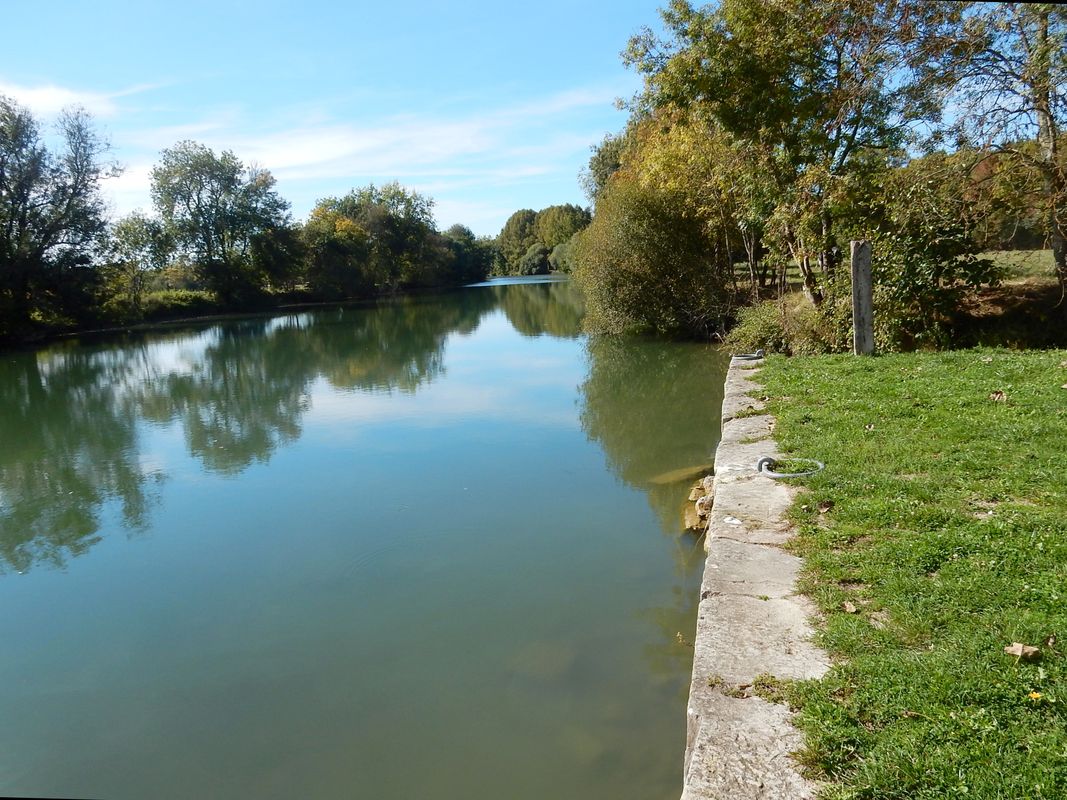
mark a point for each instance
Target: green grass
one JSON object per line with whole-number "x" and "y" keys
{"x": 1023, "y": 263}
{"x": 947, "y": 540}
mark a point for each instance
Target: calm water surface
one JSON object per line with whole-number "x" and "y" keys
{"x": 421, "y": 550}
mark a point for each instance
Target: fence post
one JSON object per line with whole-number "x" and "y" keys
{"x": 862, "y": 300}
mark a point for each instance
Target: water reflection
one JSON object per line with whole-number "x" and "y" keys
{"x": 553, "y": 308}
{"x": 238, "y": 391}
{"x": 67, "y": 432}
{"x": 638, "y": 403}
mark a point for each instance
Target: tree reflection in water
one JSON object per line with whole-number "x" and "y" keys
{"x": 69, "y": 415}
{"x": 654, "y": 407}
{"x": 67, "y": 429}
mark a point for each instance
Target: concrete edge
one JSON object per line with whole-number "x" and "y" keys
{"x": 750, "y": 620}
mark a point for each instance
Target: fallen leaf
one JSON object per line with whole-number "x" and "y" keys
{"x": 849, "y": 607}
{"x": 825, "y": 506}
{"x": 1023, "y": 651}
{"x": 1034, "y": 695}
{"x": 998, "y": 397}
{"x": 987, "y": 360}
{"x": 1050, "y": 641}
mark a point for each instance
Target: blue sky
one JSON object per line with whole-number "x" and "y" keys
{"x": 486, "y": 107}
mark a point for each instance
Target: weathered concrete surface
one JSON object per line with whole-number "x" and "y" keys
{"x": 750, "y": 620}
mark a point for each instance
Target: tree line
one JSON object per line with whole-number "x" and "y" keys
{"x": 769, "y": 133}
{"x": 220, "y": 237}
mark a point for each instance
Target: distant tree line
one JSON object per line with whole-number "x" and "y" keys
{"x": 220, "y": 237}
{"x": 771, "y": 132}
{"x": 536, "y": 242}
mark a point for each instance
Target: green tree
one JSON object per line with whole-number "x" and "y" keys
{"x": 51, "y": 216}
{"x": 1010, "y": 74}
{"x": 647, "y": 263}
{"x": 138, "y": 248}
{"x": 557, "y": 224}
{"x": 561, "y": 259}
{"x": 472, "y": 258}
{"x": 516, "y": 237}
{"x": 279, "y": 254}
{"x": 605, "y": 161}
{"x": 400, "y": 232}
{"x": 534, "y": 261}
{"x": 808, "y": 87}
{"x": 338, "y": 254}
{"x": 214, "y": 207}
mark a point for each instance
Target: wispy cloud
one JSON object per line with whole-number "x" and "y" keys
{"x": 48, "y": 100}
{"x": 453, "y": 155}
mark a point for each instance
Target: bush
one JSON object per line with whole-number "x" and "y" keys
{"x": 647, "y": 263}
{"x": 176, "y": 303}
{"x": 561, "y": 259}
{"x": 791, "y": 326}
{"x": 535, "y": 262}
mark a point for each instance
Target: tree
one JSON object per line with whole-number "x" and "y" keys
{"x": 472, "y": 258}
{"x": 138, "y": 247}
{"x": 808, "y": 88}
{"x": 338, "y": 254}
{"x": 51, "y": 215}
{"x": 279, "y": 254}
{"x": 516, "y": 237}
{"x": 400, "y": 231}
{"x": 534, "y": 261}
{"x": 557, "y": 224}
{"x": 646, "y": 263}
{"x": 605, "y": 161}
{"x": 215, "y": 207}
{"x": 1010, "y": 75}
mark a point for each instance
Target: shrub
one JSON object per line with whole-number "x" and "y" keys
{"x": 175, "y": 303}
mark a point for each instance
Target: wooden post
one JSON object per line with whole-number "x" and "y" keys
{"x": 862, "y": 300}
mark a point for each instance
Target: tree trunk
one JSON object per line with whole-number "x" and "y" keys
{"x": 1047, "y": 136}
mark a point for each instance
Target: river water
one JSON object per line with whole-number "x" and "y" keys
{"x": 426, "y": 549}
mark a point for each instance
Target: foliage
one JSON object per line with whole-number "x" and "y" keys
{"x": 338, "y": 251}
{"x": 557, "y": 224}
{"x": 471, "y": 257}
{"x": 516, "y": 237}
{"x": 561, "y": 259}
{"x": 401, "y": 238}
{"x": 947, "y": 532}
{"x": 534, "y": 262}
{"x": 1010, "y": 83}
{"x": 138, "y": 248}
{"x": 646, "y": 264}
{"x": 214, "y": 208}
{"x": 801, "y": 88}
{"x": 51, "y": 217}
{"x": 606, "y": 160}
{"x": 173, "y": 303}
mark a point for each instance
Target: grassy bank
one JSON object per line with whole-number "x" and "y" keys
{"x": 936, "y": 537}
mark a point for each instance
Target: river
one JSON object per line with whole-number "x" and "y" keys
{"x": 422, "y": 549}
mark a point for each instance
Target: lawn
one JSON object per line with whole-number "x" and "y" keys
{"x": 935, "y": 538}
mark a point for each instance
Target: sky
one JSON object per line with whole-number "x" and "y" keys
{"x": 487, "y": 107}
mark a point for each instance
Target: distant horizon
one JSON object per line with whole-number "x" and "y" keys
{"x": 486, "y": 112}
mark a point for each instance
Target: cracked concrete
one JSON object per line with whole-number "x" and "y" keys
{"x": 750, "y": 620}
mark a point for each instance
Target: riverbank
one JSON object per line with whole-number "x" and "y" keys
{"x": 934, "y": 546}
{"x": 753, "y": 627}
{"x": 195, "y": 308}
